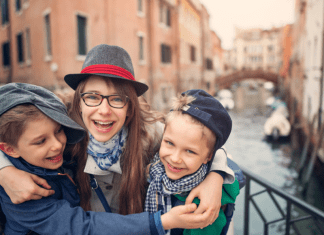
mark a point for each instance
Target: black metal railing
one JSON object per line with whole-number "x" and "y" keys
{"x": 294, "y": 222}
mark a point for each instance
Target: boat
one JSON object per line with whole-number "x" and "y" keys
{"x": 277, "y": 126}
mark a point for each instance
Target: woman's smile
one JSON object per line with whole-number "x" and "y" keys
{"x": 102, "y": 126}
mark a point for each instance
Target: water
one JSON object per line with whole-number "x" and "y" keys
{"x": 272, "y": 162}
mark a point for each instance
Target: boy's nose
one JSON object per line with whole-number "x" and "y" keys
{"x": 175, "y": 157}
{"x": 104, "y": 107}
{"x": 57, "y": 144}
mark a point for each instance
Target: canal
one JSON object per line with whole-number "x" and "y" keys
{"x": 271, "y": 161}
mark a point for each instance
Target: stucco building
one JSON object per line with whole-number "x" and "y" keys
{"x": 258, "y": 49}
{"x": 42, "y": 41}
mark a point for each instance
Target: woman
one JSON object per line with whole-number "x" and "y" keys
{"x": 122, "y": 133}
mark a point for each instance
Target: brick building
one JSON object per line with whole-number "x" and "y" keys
{"x": 42, "y": 41}
{"x": 258, "y": 49}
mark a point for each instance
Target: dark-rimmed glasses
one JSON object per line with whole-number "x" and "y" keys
{"x": 93, "y": 99}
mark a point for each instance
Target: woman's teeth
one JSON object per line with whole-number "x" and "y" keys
{"x": 103, "y": 124}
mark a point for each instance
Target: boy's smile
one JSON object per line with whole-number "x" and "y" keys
{"x": 183, "y": 148}
{"x": 42, "y": 143}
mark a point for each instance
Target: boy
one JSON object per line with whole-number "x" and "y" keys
{"x": 197, "y": 126}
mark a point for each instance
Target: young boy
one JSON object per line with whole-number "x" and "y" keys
{"x": 196, "y": 127}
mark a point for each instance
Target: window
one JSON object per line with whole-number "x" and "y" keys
{"x": 82, "y": 36}
{"x": 161, "y": 12}
{"x": 270, "y": 48}
{"x": 4, "y": 12}
{"x": 48, "y": 35}
{"x": 168, "y": 17}
{"x": 315, "y": 51}
{"x": 165, "y": 14}
{"x": 207, "y": 85}
{"x": 209, "y": 64}
{"x": 139, "y": 5}
{"x": 6, "y": 54}
{"x": 28, "y": 52}
{"x": 141, "y": 47}
{"x": 192, "y": 53}
{"x": 165, "y": 53}
{"x": 20, "y": 48}
{"x": 18, "y": 5}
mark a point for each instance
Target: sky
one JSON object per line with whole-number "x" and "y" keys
{"x": 225, "y": 15}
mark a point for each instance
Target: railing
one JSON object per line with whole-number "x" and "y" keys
{"x": 293, "y": 223}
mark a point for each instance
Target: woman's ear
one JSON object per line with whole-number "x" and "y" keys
{"x": 9, "y": 150}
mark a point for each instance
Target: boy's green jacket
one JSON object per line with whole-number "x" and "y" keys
{"x": 229, "y": 194}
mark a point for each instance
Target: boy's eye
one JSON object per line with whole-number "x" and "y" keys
{"x": 169, "y": 143}
{"x": 189, "y": 151}
{"x": 60, "y": 129}
{"x": 40, "y": 142}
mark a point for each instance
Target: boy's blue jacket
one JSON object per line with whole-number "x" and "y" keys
{"x": 60, "y": 213}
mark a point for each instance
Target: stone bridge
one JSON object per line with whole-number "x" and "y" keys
{"x": 226, "y": 81}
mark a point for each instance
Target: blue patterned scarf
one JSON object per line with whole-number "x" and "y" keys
{"x": 107, "y": 153}
{"x": 165, "y": 187}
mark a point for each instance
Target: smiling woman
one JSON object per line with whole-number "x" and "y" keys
{"x": 101, "y": 119}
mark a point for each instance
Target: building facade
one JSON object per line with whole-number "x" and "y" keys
{"x": 258, "y": 49}
{"x": 42, "y": 41}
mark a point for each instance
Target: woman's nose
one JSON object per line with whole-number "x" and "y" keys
{"x": 104, "y": 107}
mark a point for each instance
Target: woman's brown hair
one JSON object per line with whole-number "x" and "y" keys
{"x": 133, "y": 160}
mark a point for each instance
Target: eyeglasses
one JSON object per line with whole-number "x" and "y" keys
{"x": 93, "y": 99}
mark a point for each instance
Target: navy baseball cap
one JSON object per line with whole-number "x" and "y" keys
{"x": 47, "y": 102}
{"x": 209, "y": 111}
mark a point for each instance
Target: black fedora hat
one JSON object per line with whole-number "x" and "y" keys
{"x": 108, "y": 61}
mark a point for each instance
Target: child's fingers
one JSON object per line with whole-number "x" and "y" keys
{"x": 188, "y": 208}
{"x": 40, "y": 181}
{"x": 38, "y": 192}
{"x": 191, "y": 196}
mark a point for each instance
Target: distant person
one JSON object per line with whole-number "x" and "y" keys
{"x": 196, "y": 127}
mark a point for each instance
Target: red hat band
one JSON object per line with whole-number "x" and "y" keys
{"x": 108, "y": 69}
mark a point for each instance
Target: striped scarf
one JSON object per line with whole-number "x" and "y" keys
{"x": 164, "y": 187}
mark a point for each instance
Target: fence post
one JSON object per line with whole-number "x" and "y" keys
{"x": 246, "y": 206}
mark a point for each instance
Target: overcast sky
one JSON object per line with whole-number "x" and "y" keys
{"x": 226, "y": 14}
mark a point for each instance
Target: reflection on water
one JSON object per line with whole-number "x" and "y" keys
{"x": 271, "y": 161}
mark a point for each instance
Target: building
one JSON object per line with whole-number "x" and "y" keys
{"x": 257, "y": 49}
{"x": 313, "y": 80}
{"x": 295, "y": 79}
{"x": 42, "y": 41}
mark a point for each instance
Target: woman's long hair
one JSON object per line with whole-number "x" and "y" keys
{"x": 133, "y": 160}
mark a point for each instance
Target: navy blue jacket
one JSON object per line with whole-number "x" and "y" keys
{"x": 60, "y": 213}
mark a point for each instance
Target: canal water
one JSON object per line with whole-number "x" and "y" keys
{"x": 271, "y": 161}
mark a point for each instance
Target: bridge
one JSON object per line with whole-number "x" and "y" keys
{"x": 226, "y": 81}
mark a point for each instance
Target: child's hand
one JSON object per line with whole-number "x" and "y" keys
{"x": 210, "y": 193}
{"x": 22, "y": 186}
{"x": 182, "y": 217}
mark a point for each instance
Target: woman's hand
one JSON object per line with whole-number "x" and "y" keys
{"x": 210, "y": 193}
{"x": 182, "y": 217}
{"x": 22, "y": 186}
